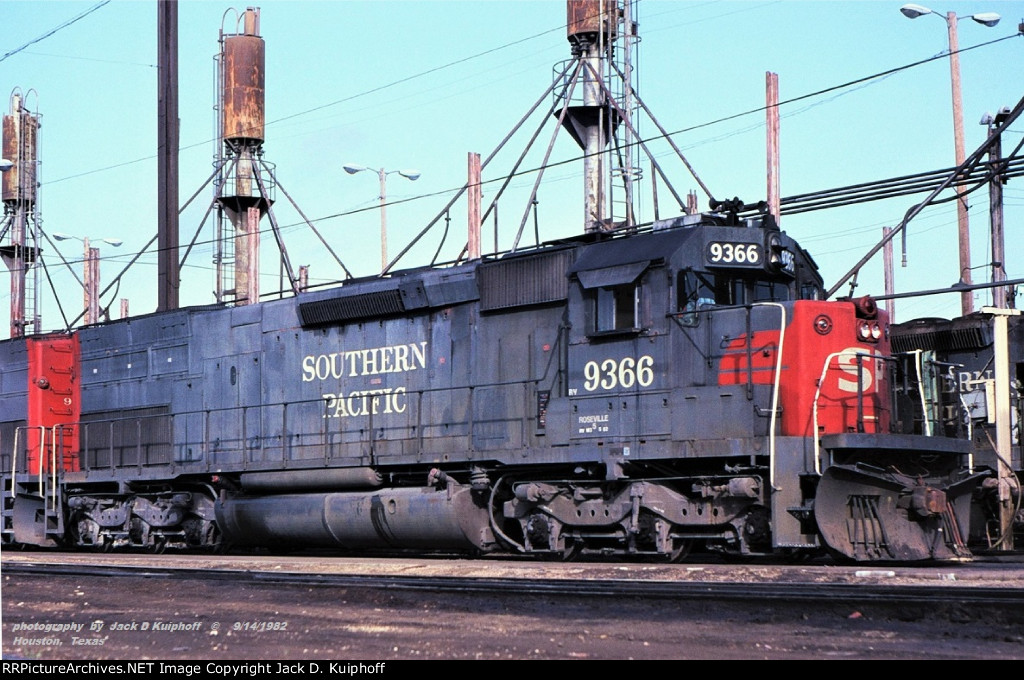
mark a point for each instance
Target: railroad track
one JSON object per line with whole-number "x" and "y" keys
{"x": 302, "y": 607}
{"x": 873, "y": 585}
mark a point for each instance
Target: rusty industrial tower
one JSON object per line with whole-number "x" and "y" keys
{"x": 20, "y": 227}
{"x": 243, "y": 194}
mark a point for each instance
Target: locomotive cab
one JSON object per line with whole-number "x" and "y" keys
{"x": 671, "y": 383}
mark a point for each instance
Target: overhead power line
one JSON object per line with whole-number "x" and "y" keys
{"x": 54, "y": 30}
{"x": 896, "y": 186}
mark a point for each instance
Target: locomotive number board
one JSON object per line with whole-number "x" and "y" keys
{"x": 734, "y": 254}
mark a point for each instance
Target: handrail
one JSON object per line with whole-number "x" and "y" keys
{"x": 772, "y": 425}
{"x": 775, "y": 387}
{"x": 42, "y": 450}
{"x": 817, "y": 394}
{"x": 970, "y": 430}
{"x": 59, "y": 434}
{"x": 14, "y": 459}
{"x": 53, "y": 464}
{"x": 42, "y": 456}
{"x": 926, "y": 420}
{"x": 270, "y": 416}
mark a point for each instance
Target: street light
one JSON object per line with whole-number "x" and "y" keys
{"x": 989, "y": 19}
{"x": 91, "y": 270}
{"x": 5, "y": 165}
{"x": 382, "y": 174}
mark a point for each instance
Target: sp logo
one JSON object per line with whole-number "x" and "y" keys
{"x": 847, "y": 362}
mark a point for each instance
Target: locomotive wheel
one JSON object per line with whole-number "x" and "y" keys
{"x": 681, "y": 549}
{"x": 802, "y": 556}
{"x": 572, "y": 551}
{"x": 214, "y": 540}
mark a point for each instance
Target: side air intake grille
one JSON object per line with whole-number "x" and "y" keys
{"x": 362, "y": 306}
{"x": 524, "y": 281}
{"x": 942, "y": 340}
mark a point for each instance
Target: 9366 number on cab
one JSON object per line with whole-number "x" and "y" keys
{"x": 608, "y": 374}
{"x": 734, "y": 254}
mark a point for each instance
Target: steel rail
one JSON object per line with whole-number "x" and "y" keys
{"x": 774, "y": 591}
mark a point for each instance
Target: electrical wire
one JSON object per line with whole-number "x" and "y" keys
{"x": 54, "y": 30}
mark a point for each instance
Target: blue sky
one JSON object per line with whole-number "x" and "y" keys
{"x": 401, "y": 84}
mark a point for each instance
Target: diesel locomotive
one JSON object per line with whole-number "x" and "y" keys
{"x": 965, "y": 378}
{"x": 641, "y": 393}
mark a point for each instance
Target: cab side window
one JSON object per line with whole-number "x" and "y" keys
{"x": 614, "y": 298}
{"x": 699, "y": 289}
{"x": 616, "y": 308}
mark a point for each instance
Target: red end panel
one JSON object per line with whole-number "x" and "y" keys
{"x": 816, "y": 332}
{"x": 53, "y": 399}
{"x": 826, "y": 332}
{"x": 762, "y": 356}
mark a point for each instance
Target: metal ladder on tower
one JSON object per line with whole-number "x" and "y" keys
{"x": 624, "y": 151}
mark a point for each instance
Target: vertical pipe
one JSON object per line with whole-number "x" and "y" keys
{"x": 252, "y": 291}
{"x": 240, "y": 221}
{"x": 16, "y": 264}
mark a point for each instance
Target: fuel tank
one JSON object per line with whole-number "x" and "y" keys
{"x": 383, "y": 519}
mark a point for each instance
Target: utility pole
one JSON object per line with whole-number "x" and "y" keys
{"x": 990, "y": 19}
{"x": 91, "y": 281}
{"x": 890, "y": 303}
{"x": 962, "y": 219}
{"x": 772, "y": 123}
{"x": 168, "y": 281}
{"x": 474, "y": 197}
{"x": 1000, "y": 294}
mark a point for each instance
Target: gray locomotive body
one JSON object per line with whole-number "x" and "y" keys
{"x": 637, "y": 395}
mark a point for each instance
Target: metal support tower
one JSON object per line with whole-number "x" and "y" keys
{"x": 20, "y": 226}
{"x": 599, "y": 115}
{"x": 241, "y": 194}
